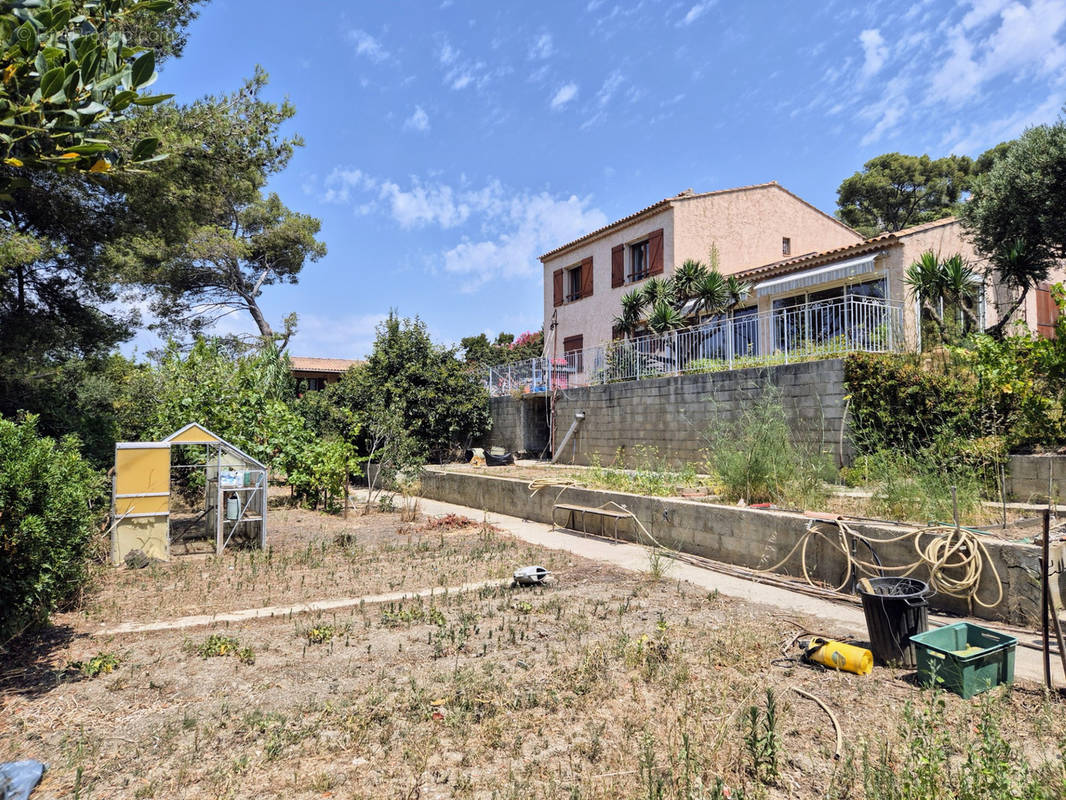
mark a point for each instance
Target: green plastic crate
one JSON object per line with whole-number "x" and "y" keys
{"x": 964, "y": 658}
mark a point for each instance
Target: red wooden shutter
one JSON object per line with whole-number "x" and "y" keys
{"x": 1047, "y": 312}
{"x": 557, "y": 286}
{"x": 655, "y": 252}
{"x": 618, "y": 266}
{"x": 586, "y": 278}
{"x": 575, "y": 345}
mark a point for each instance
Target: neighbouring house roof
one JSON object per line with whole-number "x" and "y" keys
{"x": 809, "y": 260}
{"x": 306, "y": 364}
{"x": 678, "y": 198}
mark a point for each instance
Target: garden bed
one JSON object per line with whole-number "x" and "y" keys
{"x": 602, "y": 685}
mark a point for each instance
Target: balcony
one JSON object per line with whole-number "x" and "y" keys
{"x": 807, "y": 332}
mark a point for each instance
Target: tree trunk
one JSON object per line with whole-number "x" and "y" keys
{"x": 996, "y": 331}
{"x": 261, "y": 322}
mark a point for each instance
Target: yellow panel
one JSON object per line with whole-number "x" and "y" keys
{"x": 196, "y": 435}
{"x": 142, "y": 470}
{"x": 142, "y": 505}
{"x": 148, "y": 534}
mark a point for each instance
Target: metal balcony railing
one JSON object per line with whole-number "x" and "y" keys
{"x": 807, "y": 332}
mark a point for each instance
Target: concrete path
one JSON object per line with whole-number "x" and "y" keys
{"x": 841, "y": 618}
{"x": 269, "y": 612}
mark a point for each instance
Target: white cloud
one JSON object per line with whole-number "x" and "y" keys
{"x": 542, "y": 47}
{"x": 526, "y": 226}
{"x": 418, "y": 121}
{"x": 696, "y": 12}
{"x": 507, "y": 230}
{"x": 995, "y": 39}
{"x": 460, "y": 72}
{"x": 611, "y": 85}
{"x": 980, "y": 135}
{"x": 886, "y": 113}
{"x": 875, "y": 51}
{"x": 436, "y": 203}
{"x": 367, "y": 45}
{"x": 343, "y": 181}
{"x": 335, "y": 337}
{"x": 565, "y": 94}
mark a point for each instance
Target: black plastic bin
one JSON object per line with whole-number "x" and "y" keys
{"x": 896, "y": 609}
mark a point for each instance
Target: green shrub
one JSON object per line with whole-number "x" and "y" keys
{"x": 51, "y": 505}
{"x": 756, "y": 460}
{"x": 915, "y": 488}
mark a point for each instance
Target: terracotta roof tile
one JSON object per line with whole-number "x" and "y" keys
{"x": 306, "y": 364}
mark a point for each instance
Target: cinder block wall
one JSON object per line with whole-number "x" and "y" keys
{"x": 1029, "y": 478}
{"x": 519, "y": 425}
{"x": 672, "y": 415}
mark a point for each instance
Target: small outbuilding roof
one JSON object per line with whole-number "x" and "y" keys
{"x": 308, "y": 364}
{"x": 194, "y": 433}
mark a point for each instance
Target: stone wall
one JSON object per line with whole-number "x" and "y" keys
{"x": 757, "y": 539}
{"x": 671, "y": 416}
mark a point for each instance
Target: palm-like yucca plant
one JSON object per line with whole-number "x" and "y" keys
{"x": 712, "y": 294}
{"x": 738, "y": 290}
{"x": 664, "y": 318}
{"x": 686, "y": 278}
{"x": 951, "y": 280}
{"x": 633, "y": 304}
{"x": 657, "y": 290}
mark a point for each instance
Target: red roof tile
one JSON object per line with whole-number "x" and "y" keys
{"x": 306, "y": 364}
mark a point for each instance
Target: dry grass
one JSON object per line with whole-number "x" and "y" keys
{"x": 593, "y": 687}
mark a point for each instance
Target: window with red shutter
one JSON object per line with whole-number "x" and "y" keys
{"x": 655, "y": 252}
{"x": 557, "y": 287}
{"x": 586, "y": 278}
{"x": 618, "y": 266}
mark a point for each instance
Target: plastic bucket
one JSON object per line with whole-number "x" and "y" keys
{"x": 896, "y": 609}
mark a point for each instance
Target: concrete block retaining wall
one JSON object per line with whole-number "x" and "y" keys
{"x": 1030, "y": 477}
{"x": 671, "y": 416}
{"x": 745, "y": 537}
{"x": 519, "y": 424}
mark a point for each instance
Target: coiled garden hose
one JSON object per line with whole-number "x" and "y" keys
{"x": 941, "y": 548}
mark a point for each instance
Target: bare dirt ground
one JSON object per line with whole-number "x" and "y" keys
{"x": 603, "y": 684}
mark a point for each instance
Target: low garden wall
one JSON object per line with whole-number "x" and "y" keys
{"x": 745, "y": 537}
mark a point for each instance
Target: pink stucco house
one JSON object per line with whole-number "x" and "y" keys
{"x": 817, "y": 285}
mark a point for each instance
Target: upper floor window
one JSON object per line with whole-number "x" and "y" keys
{"x": 573, "y": 283}
{"x": 786, "y": 246}
{"x": 638, "y": 261}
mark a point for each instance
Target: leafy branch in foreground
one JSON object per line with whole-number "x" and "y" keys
{"x": 67, "y": 72}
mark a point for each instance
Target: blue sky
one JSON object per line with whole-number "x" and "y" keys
{"x": 448, "y": 144}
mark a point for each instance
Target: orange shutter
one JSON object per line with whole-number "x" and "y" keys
{"x": 1047, "y": 312}
{"x": 586, "y": 278}
{"x": 557, "y": 286}
{"x": 618, "y": 267}
{"x": 655, "y": 252}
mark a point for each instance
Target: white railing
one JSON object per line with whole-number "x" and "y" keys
{"x": 802, "y": 333}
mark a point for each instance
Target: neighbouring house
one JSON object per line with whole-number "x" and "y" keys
{"x": 818, "y": 288}
{"x": 314, "y": 374}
